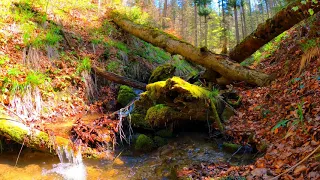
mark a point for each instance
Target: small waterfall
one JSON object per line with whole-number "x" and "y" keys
{"x": 70, "y": 167}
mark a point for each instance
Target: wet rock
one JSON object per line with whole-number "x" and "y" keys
{"x": 125, "y": 95}
{"x": 230, "y": 147}
{"x": 138, "y": 120}
{"x": 144, "y": 143}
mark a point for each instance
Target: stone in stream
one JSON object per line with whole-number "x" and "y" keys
{"x": 144, "y": 143}
{"x": 125, "y": 95}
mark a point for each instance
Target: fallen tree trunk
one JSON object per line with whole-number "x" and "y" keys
{"x": 119, "y": 79}
{"x": 219, "y": 63}
{"x": 33, "y": 138}
{"x": 282, "y": 21}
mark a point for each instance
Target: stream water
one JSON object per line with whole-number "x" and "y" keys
{"x": 181, "y": 151}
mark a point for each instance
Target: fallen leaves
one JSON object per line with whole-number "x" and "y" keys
{"x": 284, "y": 115}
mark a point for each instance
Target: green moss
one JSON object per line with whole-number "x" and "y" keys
{"x": 144, "y": 143}
{"x": 154, "y": 90}
{"x": 144, "y": 103}
{"x": 138, "y": 121}
{"x": 14, "y": 132}
{"x": 159, "y": 141}
{"x": 158, "y": 114}
{"x": 230, "y": 147}
{"x": 162, "y": 72}
{"x": 125, "y": 95}
{"x": 38, "y": 140}
{"x": 165, "y": 133}
{"x": 177, "y": 100}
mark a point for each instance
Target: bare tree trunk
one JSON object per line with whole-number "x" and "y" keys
{"x": 182, "y": 22}
{"x": 244, "y": 21}
{"x": 205, "y": 31}
{"x": 267, "y": 7}
{"x": 195, "y": 26}
{"x": 250, "y": 14}
{"x": 225, "y": 40}
{"x": 219, "y": 63}
{"x": 173, "y": 13}
{"x": 282, "y": 21}
{"x": 241, "y": 22}
{"x": 160, "y": 6}
{"x": 236, "y": 23}
{"x": 164, "y": 17}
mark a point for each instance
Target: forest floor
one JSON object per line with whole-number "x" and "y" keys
{"x": 282, "y": 119}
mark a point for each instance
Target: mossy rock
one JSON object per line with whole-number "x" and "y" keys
{"x": 159, "y": 141}
{"x": 230, "y": 147}
{"x": 162, "y": 73}
{"x": 144, "y": 143}
{"x": 138, "y": 121}
{"x": 165, "y": 133}
{"x": 158, "y": 114}
{"x": 125, "y": 95}
{"x": 177, "y": 100}
{"x": 144, "y": 103}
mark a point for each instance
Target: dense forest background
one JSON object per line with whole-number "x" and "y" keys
{"x": 216, "y": 24}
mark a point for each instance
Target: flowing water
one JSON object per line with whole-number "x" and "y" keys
{"x": 181, "y": 151}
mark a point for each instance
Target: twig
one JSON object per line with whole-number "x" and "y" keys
{"x": 235, "y": 153}
{"x": 20, "y": 152}
{"x": 227, "y": 104}
{"x": 12, "y": 112}
{"x": 304, "y": 159}
{"x": 117, "y": 156}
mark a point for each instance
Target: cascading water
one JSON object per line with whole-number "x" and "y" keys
{"x": 125, "y": 112}
{"x": 70, "y": 167}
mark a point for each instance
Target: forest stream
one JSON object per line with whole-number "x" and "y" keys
{"x": 181, "y": 151}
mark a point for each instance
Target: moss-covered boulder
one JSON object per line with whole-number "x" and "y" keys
{"x": 138, "y": 121}
{"x": 125, "y": 95}
{"x": 162, "y": 73}
{"x": 144, "y": 143}
{"x": 160, "y": 113}
{"x": 176, "y": 100}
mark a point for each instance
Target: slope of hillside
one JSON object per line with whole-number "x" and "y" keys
{"x": 281, "y": 119}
